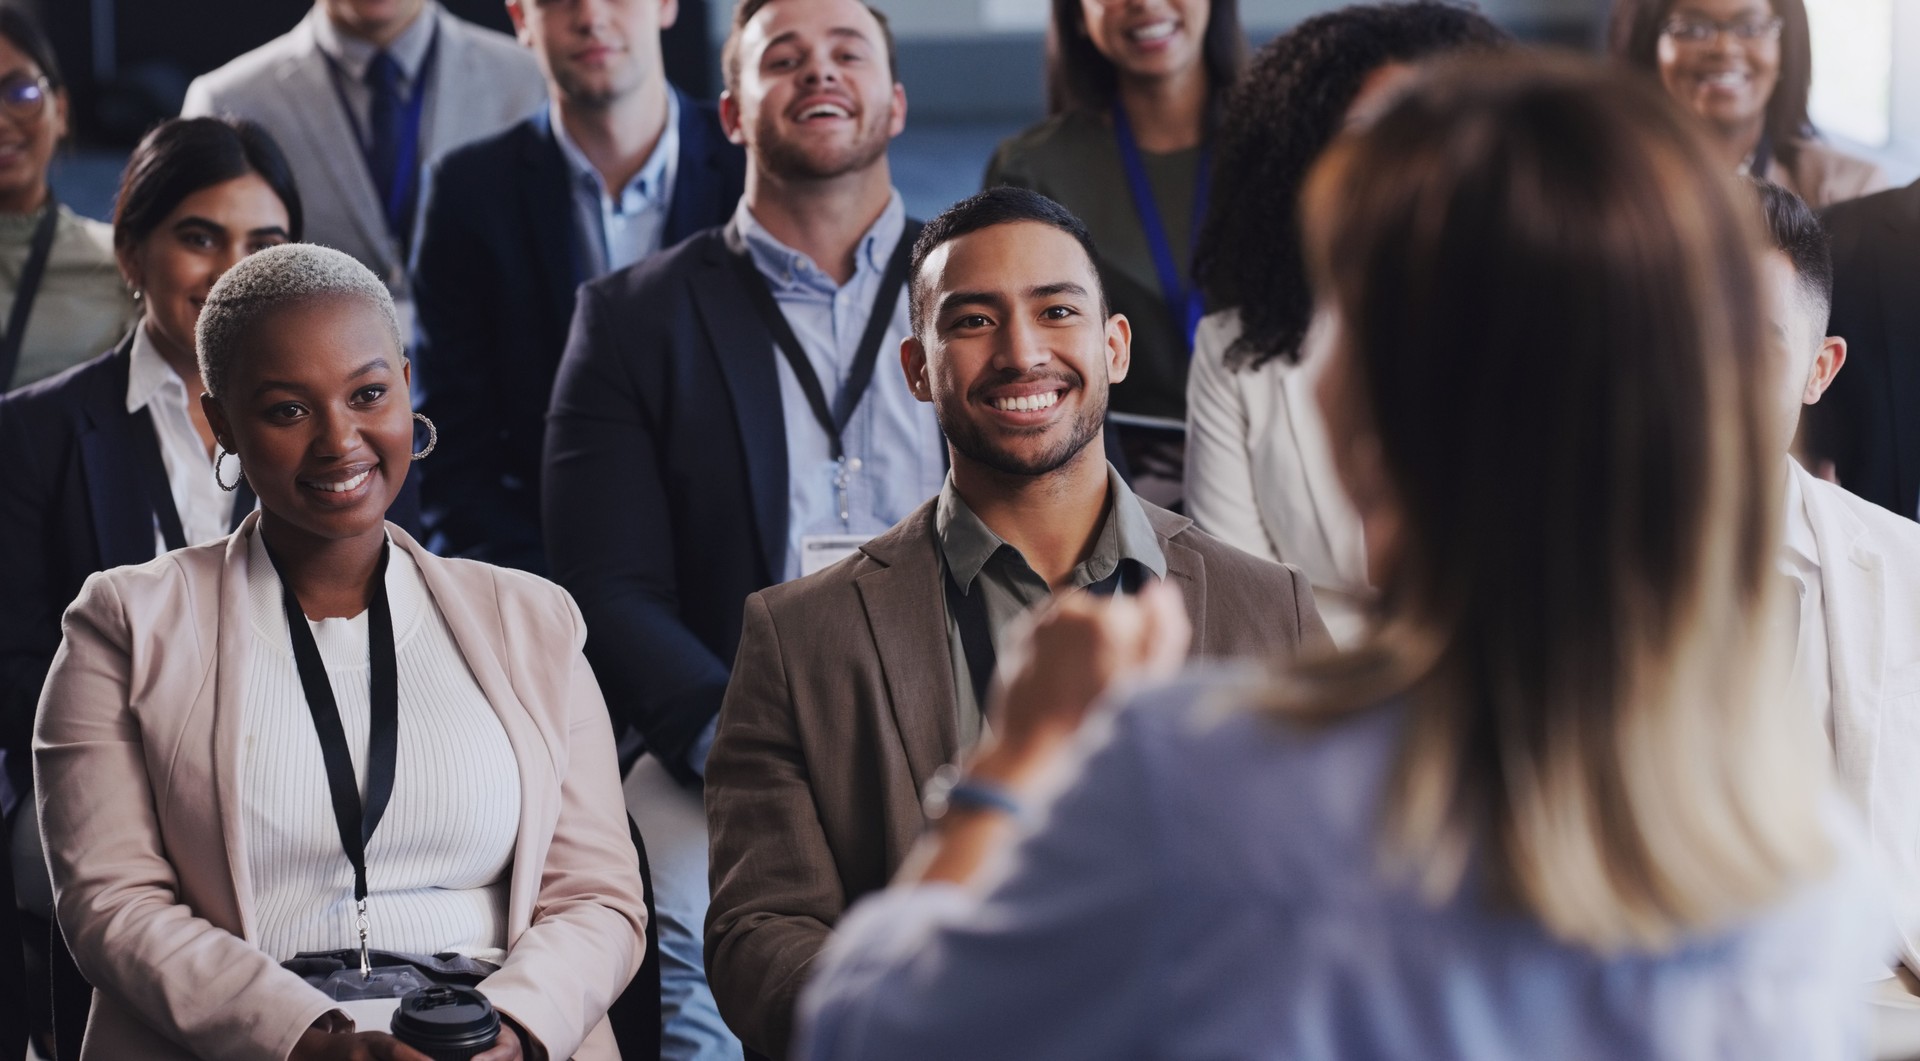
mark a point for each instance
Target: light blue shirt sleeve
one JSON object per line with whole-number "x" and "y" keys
{"x": 1057, "y": 954}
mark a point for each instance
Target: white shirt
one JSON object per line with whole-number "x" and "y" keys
{"x": 1800, "y": 561}
{"x": 619, "y": 230}
{"x": 438, "y": 862}
{"x": 206, "y": 511}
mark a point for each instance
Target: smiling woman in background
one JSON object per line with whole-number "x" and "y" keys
{"x": 61, "y": 299}
{"x": 1745, "y": 67}
{"x": 1135, "y": 88}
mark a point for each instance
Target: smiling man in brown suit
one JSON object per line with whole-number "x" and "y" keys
{"x": 854, "y": 685}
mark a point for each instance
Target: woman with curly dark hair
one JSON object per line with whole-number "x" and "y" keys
{"x": 1745, "y": 68}
{"x": 1135, "y": 88}
{"x": 1259, "y": 470}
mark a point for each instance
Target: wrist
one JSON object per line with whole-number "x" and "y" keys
{"x": 1009, "y": 764}
{"x": 950, "y": 791}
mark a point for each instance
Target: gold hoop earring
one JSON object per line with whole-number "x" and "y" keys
{"x": 238, "y": 479}
{"x": 433, "y": 436}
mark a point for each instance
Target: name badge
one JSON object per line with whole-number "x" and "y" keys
{"x": 821, "y": 551}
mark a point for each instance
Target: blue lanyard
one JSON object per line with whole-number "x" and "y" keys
{"x": 407, "y": 161}
{"x": 1184, "y": 302}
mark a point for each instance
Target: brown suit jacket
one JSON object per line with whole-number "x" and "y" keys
{"x": 137, "y": 754}
{"x": 842, "y": 705}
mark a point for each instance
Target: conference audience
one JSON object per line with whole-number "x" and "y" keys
{"x": 1855, "y": 570}
{"x": 186, "y": 801}
{"x": 1134, "y": 93}
{"x": 59, "y": 289}
{"x": 1745, "y": 68}
{"x": 718, "y": 424}
{"x": 1865, "y": 433}
{"x": 363, "y": 95}
{"x": 1556, "y": 803}
{"x": 619, "y": 165}
{"x": 854, "y": 688}
{"x": 1260, "y": 471}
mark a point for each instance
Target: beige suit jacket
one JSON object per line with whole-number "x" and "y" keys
{"x": 137, "y": 752}
{"x": 842, "y": 705}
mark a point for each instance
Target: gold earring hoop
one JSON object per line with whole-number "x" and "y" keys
{"x": 433, "y": 436}
{"x": 238, "y": 479}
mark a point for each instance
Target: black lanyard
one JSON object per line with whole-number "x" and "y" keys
{"x": 356, "y": 823}
{"x": 833, "y": 420}
{"x": 969, "y": 611}
{"x": 38, "y": 251}
{"x": 159, "y": 488}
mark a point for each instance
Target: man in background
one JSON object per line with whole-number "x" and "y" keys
{"x": 618, "y": 165}
{"x": 361, "y": 96}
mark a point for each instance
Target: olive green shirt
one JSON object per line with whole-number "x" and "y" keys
{"x": 83, "y": 308}
{"x": 980, "y": 560}
{"x": 1073, "y": 159}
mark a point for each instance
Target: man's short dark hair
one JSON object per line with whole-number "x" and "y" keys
{"x": 1794, "y": 230}
{"x": 743, "y": 13}
{"x": 995, "y": 206}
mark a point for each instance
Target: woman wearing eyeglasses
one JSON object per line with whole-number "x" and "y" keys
{"x": 1745, "y": 68}
{"x": 61, "y": 299}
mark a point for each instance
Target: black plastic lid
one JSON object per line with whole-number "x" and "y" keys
{"x": 445, "y": 1017}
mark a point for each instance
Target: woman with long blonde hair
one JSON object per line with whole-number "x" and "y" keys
{"x": 1552, "y": 806}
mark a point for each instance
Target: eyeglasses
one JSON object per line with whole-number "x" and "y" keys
{"x": 1702, "y": 30}
{"x": 25, "y": 98}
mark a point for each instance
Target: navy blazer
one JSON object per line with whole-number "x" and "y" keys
{"x": 665, "y": 490}
{"x": 1866, "y": 423}
{"x": 493, "y": 285}
{"x": 73, "y": 501}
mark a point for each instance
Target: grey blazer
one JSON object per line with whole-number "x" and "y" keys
{"x": 481, "y": 83}
{"x": 842, "y": 705}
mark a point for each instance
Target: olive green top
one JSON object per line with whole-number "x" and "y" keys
{"x": 83, "y": 308}
{"x": 976, "y": 557}
{"x": 1073, "y": 159}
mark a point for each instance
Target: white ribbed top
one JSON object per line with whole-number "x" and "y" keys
{"x": 437, "y": 865}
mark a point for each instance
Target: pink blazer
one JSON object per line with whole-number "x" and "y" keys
{"x": 136, "y": 757}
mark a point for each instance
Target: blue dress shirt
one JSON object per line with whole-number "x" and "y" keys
{"x": 893, "y": 435}
{"x": 617, "y": 230}
{"x": 1211, "y": 888}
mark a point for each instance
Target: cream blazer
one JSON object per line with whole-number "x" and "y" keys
{"x": 137, "y": 750}
{"x": 1870, "y": 591}
{"x": 1260, "y": 472}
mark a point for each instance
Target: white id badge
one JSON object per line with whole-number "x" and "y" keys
{"x": 820, "y": 551}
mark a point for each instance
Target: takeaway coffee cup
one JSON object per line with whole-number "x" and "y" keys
{"x": 446, "y": 1023}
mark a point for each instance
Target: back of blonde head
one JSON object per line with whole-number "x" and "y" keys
{"x": 1547, "y": 292}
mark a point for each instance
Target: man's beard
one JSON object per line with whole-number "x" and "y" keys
{"x": 788, "y": 159}
{"x": 966, "y": 436}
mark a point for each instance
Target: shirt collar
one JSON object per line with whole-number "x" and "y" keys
{"x": 968, "y": 543}
{"x": 353, "y": 54}
{"x": 1801, "y": 546}
{"x": 149, "y": 376}
{"x": 651, "y": 183}
{"x": 786, "y": 268}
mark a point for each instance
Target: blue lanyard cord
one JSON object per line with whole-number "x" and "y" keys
{"x": 406, "y": 162}
{"x": 1184, "y": 302}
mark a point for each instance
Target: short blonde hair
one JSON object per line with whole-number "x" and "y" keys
{"x": 271, "y": 280}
